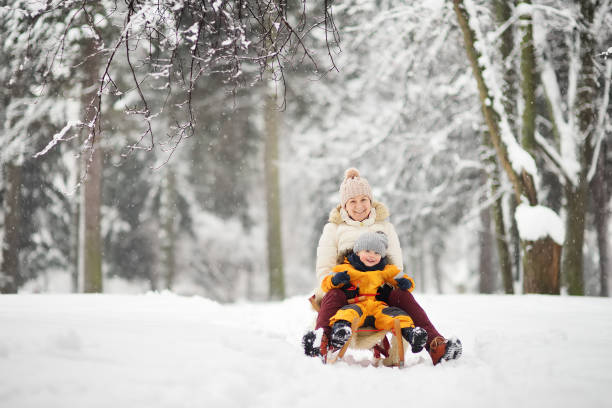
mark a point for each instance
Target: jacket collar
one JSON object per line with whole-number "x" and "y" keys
{"x": 354, "y": 260}
{"x": 379, "y": 213}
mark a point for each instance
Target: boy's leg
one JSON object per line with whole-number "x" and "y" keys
{"x": 416, "y": 336}
{"x": 385, "y": 315}
{"x": 341, "y": 323}
{"x": 330, "y": 304}
{"x": 405, "y": 301}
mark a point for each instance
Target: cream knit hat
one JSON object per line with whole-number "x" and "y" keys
{"x": 353, "y": 185}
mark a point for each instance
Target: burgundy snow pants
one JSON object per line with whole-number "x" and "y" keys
{"x": 335, "y": 299}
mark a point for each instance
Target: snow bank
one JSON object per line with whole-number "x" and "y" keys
{"x": 169, "y": 351}
{"x": 535, "y": 222}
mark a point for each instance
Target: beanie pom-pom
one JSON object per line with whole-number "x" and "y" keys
{"x": 351, "y": 173}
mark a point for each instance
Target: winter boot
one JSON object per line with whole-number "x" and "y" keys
{"x": 341, "y": 332}
{"x": 315, "y": 343}
{"x": 308, "y": 342}
{"x": 445, "y": 349}
{"x": 416, "y": 336}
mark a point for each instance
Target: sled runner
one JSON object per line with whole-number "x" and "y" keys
{"x": 391, "y": 354}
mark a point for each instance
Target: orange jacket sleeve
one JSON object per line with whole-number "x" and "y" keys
{"x": 326, "y": 283}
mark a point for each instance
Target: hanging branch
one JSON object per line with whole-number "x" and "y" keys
{"x": 183, "y": 42}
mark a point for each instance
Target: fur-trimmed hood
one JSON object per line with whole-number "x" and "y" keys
{"x": 382, "y": 213}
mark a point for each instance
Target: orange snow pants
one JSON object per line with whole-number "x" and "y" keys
{"x": 383, "y": 314}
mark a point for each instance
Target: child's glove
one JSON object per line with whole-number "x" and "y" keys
{"x": 340, "y": 278}
{"x": 403, "y": 283}
{"x": 383, "y": 293}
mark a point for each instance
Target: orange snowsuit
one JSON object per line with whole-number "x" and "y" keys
{"x": 368, "y": 283}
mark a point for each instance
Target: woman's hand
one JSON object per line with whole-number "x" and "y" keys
{"x": 404, "y": 283}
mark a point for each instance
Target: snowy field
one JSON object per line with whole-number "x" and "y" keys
{"x": 162, "y": 350}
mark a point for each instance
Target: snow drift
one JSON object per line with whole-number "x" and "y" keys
{"x": 162, "y": 350}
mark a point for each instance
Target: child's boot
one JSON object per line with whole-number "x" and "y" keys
{"x": 445, "y": 349}
{"x": 416, "y": 336}
{"x": 341, "y": 332}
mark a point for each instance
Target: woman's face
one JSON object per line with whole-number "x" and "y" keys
{"x": 358, "y": 207}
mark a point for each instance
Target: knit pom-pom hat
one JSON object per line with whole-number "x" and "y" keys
{"x": 353, "y": 185}
{"x": 372, "y": 241}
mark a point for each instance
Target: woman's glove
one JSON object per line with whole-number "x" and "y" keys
{"x": 340, "y": 278}
{"x": 404, "y": 283}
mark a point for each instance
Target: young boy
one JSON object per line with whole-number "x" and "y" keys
{"x": 362, "y": 273}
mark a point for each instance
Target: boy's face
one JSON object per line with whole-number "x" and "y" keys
{"x": 369, "y": 258}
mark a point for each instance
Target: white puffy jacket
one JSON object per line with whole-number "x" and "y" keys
{"x": 339, "y": 236}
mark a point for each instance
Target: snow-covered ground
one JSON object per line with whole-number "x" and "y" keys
{"x": 162, "y": 350}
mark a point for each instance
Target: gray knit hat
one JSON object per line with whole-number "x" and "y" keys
{"x": 372, "y": 241}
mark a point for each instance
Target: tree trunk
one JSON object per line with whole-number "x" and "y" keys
{"x": 503, "y": 13}
{"x": 533, "y": 252}
{"x": 538, "y": 276}
{"x": 74, "y": 248}
{"x": 515, "y": 240}
{"x": 541, "y": 263}
{"x": 10, "y": 276}
{"x": 275, "y": 251}
{"x": 503, "y": 251}
{"x": 92, "y": 189}
{"x": 522, "y": 183}
{"x": 577, "y": 196}
{"x": 486, "y": 282}
{"x": 601, "y": 199}
{"x": 485, "y": 262}
{"x": 92, "y": 254}
{"x": 574, "y": 238}
{"x": 75, "y": 228}
{"x": 168, "y": 228}
{"x": 528, "y": 82}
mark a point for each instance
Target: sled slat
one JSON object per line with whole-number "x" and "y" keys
{"x": 314, "y": 303}
{"x": 400, "y": 342}
{"x": 335, "y": 357}
{"x": 356, "y": 299}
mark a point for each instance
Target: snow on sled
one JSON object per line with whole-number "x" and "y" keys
{"x": 389, "y": 353}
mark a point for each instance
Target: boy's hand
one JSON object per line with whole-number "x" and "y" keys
{"x": 383, "y": 292}
{"x": 403, "y": 283}
{"x": 340, "y": 278}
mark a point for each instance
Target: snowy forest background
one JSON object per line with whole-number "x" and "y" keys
{"x": 199, "y": 146}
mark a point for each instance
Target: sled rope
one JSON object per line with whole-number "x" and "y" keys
{"x": 360, "y": 298}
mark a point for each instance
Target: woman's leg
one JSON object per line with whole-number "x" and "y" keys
{"x": 405, "y": 301}
{"x": 331, "y": 302}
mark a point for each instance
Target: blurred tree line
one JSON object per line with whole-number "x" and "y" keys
{"x": 199, "y": 146}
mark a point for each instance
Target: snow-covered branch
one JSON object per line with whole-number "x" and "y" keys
{"x": 602, "y": 119}
{"x": 167, "y": 47}
{"x": 517, "y": 156}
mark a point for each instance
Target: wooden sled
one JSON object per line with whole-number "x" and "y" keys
{"x": 390, "y": 354}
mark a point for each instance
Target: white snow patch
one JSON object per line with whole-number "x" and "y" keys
{"x": 523, "y": 9}
{"x": 163, "y": 350}
{"x": 536, "y": 222}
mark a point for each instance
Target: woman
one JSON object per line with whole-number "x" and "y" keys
{"x": 356, "y": 214}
